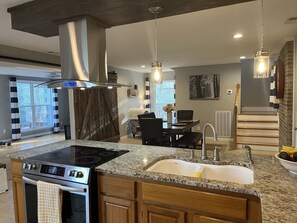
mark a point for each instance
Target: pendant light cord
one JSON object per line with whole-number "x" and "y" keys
{"x": 262, "y": 24}
{"x": 156, "y": 38}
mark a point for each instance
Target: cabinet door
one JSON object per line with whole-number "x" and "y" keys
{"x": 18, "y": 199}
{"x": 17, "y": 189}
{"x": 204, "y": 219}
{"x": 154, "y": 214}
{"x": 115, "y": 210}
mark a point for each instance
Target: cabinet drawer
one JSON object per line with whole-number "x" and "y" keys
{"x": 117, "y": 187}
{"x": 203, "y": 202}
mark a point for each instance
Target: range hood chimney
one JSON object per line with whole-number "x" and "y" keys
{"x": 83, "y": 56}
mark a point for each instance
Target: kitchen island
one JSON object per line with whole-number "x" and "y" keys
{"x": 273, "y": 184}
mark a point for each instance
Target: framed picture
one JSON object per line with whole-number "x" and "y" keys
{"x": 205, "y": 87}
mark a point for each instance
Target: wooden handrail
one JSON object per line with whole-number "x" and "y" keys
{"x": 236, "y": 98}
{"x": 236, "y": 104}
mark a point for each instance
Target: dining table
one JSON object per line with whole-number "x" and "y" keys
{"x": 178, "y": 128}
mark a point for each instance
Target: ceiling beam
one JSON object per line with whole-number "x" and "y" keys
{"x": 39, "y": 17}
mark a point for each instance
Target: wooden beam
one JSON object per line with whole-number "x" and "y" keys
{"x": 39, "y": 16}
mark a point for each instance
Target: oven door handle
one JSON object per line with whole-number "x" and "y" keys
{"x": 63, "y": 188}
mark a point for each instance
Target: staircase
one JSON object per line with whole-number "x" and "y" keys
{"x": 260, "y": 131}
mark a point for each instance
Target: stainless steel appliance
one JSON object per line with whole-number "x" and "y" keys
{"x": 73, "y": 169}
{"x": 83, "y": 55}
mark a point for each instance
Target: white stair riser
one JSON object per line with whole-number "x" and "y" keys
{"x": 263, "y": 148}
{"x": 259, "y": 132}
{"x": 257, "y": 118}
{"x": 257, "y": 139}
{"x": 256, "y": 124}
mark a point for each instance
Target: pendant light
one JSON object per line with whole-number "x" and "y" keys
{"x": 157, "y": 75}
{"x": 261, "y": 61}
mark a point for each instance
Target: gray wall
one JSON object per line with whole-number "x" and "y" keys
{"x": 204, "y": 110}
{"x": 254, "y": 92}
{"x": 125, "y": 102}
{"x": 4, "y": 108}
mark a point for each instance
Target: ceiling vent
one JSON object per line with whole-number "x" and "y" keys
{"x": 291, "y": 20}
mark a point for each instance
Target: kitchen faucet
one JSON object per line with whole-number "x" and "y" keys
{"x": 203, "y": 151}
{"x": 248, "y": 153}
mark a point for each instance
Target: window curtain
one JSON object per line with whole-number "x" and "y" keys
{"x": 147, "y": 93}
{"x": 14, "y": 110}
{"x": 56, "y": 111}
{"x": 175, "y": 94}
{"x": 273, "y": 101}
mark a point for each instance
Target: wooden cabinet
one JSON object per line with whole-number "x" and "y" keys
{"x": 127, "y": 200}
{"x": 115, "y": 210}
{"x": 204, "y": 219}
{"x": 18, "y": 193}
{"x": 117, "y": 200}
{"x": 154, "y": 214}
{"x": 228, "y": 207}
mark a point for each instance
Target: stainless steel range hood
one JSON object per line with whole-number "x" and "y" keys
{"x": 83, "y": 56}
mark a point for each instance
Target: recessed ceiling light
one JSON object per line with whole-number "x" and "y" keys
{"x": 143, "y": 66}
{"x": 242, "y": 57}
{"x": 237, "y": 35}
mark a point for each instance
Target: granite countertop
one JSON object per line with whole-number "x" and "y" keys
{"x": 273, "y": 184}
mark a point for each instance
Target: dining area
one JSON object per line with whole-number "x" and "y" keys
{"x": 176, "y": 131}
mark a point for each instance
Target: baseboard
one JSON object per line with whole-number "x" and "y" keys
{"x": 37, "y": 135}
{"x": 124, "y": 137}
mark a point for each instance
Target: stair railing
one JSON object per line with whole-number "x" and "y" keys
{"x": 236, "y": 106}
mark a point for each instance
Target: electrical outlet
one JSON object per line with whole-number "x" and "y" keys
{"x": 4, "y": 131}
{"x": 229, "y": 91}
{"x": 198, "y": 127}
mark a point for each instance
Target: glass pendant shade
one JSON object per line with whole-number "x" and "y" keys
{"x": 157, "y": 74}
{"x": 261, "y": 64}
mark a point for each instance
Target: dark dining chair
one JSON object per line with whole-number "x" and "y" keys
{"x": 152, "y": 132}
{"x": 146, "y": 115}
{"x": 184, "y": 115}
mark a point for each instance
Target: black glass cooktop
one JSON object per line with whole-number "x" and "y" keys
{"x": 80, "y": 156}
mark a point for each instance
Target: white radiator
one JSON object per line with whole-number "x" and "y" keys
{"x": 223, "y": 123}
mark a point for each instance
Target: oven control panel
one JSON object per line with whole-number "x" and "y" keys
{"x": 77, "y": 174}
{"x": 64, "y": 172}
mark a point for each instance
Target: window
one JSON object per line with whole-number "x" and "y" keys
{"x": 164, "y": 94}
{"x": 35, "y": 105}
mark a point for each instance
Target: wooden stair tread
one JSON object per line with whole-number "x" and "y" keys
{"x": 255, "y": 135}
{"x": 259, "y": 121}
{"x": 260, "y": 114}
{"x": 258, "y": 128}
{"x": 258, "y": 143}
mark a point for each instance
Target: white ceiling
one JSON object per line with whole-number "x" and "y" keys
{"x": 199, "y": 38}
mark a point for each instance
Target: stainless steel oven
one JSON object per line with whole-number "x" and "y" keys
{"x": 73, "y": 168}
{"x": 75, "y": 203}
